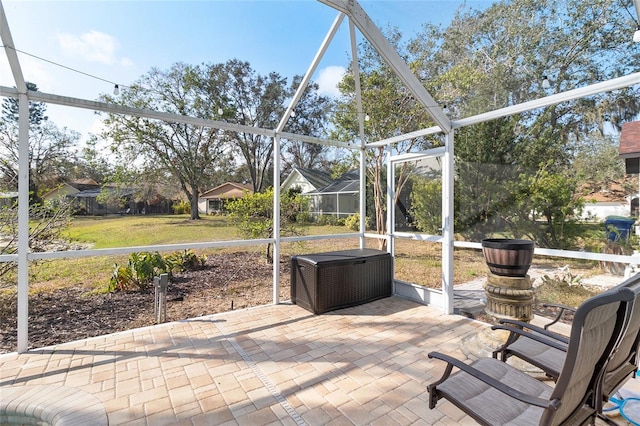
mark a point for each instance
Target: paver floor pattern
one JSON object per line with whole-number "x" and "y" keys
{"x": 271, "y": 365}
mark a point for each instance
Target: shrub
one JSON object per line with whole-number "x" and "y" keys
{"x": 253, "y": 215}
{"x": 304, "y": 217}
{"x": 143, "y": 266}
{"x": 181, "y": 207}
{"x": 186, "y": 260}
{"x": 353, "y": 222}
{"x": 326, "y": 219}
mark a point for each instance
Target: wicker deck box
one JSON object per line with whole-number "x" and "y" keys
{"x": 324, "y": 282}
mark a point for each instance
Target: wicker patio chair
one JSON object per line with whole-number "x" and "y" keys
{"x": 495, "y": 393}
{"x": 547, "y": 350}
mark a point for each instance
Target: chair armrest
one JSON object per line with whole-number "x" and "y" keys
{"x": 561, "y": 310}
{"x": 507, "y": 390}
{"x": 542, "y": 337}
{"x": 526, "y": 325}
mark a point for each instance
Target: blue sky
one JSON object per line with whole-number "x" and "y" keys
{"x": 119, "y": 41}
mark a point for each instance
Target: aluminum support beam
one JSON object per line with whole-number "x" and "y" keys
{"x": 593, "y": 89}
{"x": 408, "y": 156}
{"x": 363, "y": 155}
{"x": 10, "y": 51}
{"x": 23, "y": 182}
{"x": 391, "y": 208}
{"x": 447, "y": 225}
{"x": 312, "y": 69}
{"x": 581, "y": 92}
{"x": 411, "y": 135}
{"x": 371, "y": 32}
{"x": 276, "y": 220}
{"x": 163, "y": 116}
{"x": 23, "y": 223}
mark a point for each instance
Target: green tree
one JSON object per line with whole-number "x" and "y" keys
{"x": 92, "y": 163}
{"x": 487, "y": 164}
{"x": 426, "y": 204}
{"x": 547, "y": 208}
{"x": 200, "y": 157}
{"x": 597, "y": 163}
{"x": 188, "y": 153}
{"x": 253, "y": 214}
{"x": 50, "y": 148}
{"x": 259, "y": 101}
{"x": 10, "y": 109}
{"x": 495, "y": 58}
{"x": 390, "y": 110}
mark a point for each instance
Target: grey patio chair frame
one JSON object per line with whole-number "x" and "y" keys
{"x": 522, "y": 399}
{"x": 546, "y": 350}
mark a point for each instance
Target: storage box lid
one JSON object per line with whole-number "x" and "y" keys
{"x": 341, "y": 256}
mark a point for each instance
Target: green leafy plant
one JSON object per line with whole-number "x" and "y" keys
{"x": 142, "y": 267}
{"x": 253, "y": 215}
{"x": 326, "y": 219}
{"x": 563, "y": 287}
{"x": 181, "y": 207}
{"x": 147, "y": 265}
{"x": 186, "y": 260}
{"x": 122, "y": 279}
{"x": 353, "y": 222}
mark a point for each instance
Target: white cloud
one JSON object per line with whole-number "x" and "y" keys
{"x": 328, "y": 79}
{"x": 32, "y": 70}
{"x": 93, "y": 46}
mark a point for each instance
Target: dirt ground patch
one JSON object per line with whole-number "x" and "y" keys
{"x": 228, "y": 281}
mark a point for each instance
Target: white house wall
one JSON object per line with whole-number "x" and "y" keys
{"x": 202, "y": 206}
{"x": 599, "y": 211}
{"x": 299, "y": 181}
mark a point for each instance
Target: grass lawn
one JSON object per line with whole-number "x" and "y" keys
{"x": 416, "y": 262}
{"x": 131, "y": 231}
{"x": 71, "y": 284}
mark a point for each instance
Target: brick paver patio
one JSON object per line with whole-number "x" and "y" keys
{"x": 270, "y": 365}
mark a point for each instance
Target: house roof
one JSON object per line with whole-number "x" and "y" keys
{"x": 84, "y": 184}
{"x": 630, "y": 140}
{"x": 227, "y": 190}
{"x": 614, "y": 193}
{"x": 343, "y": 186}
{"x": 93, "y": 193}
{"x": 317, "y": 178}
{"x": 350, "y": 175}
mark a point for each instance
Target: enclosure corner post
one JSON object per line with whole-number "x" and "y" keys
{"x": 447, "y": 225}
{"x": 391, "y": 205}
{"x": 363, "y": 154}
{"x": 276, "y": 220}
{"x": 23, "y": 223}
{"x": 363, "y": 196}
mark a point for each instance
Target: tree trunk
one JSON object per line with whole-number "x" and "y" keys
{"x": 269, "y": 255}
{"x": 194, "y": 205}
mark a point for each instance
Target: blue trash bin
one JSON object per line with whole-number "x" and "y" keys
{"x": 618, "y": 227}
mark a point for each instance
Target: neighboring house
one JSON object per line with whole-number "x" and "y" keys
{"x": 339, "y": 197}
{"x": 612, "y": 202}
{"x": 70, "y": 188}
{"x": 213, "y": 200}
{"x": 85, "y": 194}
{"x": 306, "y": 180}
{"x": 86, "y": 202}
